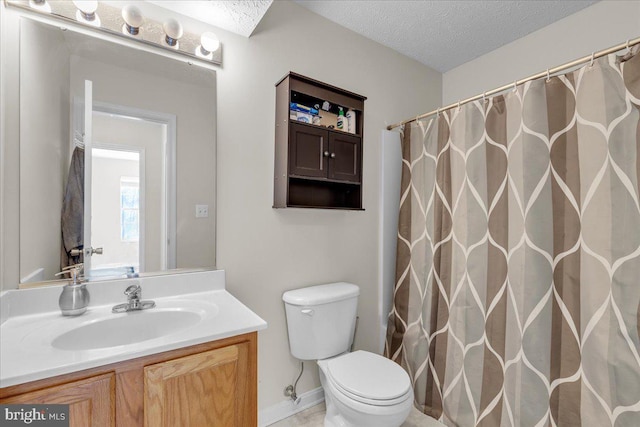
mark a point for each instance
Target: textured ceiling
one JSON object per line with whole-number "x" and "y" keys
{"x": 238, "y": 16}
{"x": 443, "y": 34}
{"x": 439, "y": 33}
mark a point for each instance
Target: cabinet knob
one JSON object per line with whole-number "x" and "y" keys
{"x": 333, "y": 155}
{"x": 326, "y": 154}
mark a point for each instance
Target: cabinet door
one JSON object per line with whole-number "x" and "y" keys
{"x": 91, "y": 401}
{"x": 205, "y": 389}
{"x": 307, "y": 146}
{"x": 345, "y": 157}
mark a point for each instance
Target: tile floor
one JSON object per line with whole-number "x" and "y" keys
{"x": 314, "y": 417}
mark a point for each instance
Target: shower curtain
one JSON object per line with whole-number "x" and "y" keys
{"x": 517, "y": 289}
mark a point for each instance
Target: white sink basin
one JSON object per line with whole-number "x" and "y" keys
{"x": 38, "y": 342}
{"x": 126, "y": 328}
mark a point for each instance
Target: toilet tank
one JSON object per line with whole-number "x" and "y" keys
{"x": 321, "y": 319}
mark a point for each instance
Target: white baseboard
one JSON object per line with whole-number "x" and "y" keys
{"x": 287, "y": 408}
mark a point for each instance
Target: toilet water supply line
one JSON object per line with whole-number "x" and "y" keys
{"x": 291, "y": 389}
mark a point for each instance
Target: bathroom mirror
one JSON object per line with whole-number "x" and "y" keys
{"x": 117, "y": 157}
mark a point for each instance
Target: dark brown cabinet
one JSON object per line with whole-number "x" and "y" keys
{"x": 317, "y": 165}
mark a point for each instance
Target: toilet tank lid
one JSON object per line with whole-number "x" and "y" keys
{"x": 321, "y": 294}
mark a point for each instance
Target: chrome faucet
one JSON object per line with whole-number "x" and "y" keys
{"x": 74, "y": 298}
{"x": 133, "y": 303}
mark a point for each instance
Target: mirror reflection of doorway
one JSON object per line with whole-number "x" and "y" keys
{"x": 131, "y": 197}
{"x": 117, "y": 215}
{"x": 129, "y": 193}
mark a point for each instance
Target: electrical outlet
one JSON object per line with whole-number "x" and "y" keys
{"x": 202, "y": 211}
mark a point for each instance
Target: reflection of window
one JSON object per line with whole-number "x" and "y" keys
{"x": 129, "y": 209}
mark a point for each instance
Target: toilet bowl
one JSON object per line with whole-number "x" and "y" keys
{"x": 362, "y": 389}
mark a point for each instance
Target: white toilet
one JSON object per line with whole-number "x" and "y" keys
{"x": 361, "y": 389}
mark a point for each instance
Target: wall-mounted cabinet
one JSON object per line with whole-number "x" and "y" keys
{"x": 318, "y": 158}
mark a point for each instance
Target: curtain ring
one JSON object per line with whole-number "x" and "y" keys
{"x": 458, "y": 104}
{"x": 548, "y": 77}
{"x": 628, "y": 48}
{"x": 438, "y": 112}
{"x": 484, "y": 97}
{"x": 515, "y": 85}
{"x": 593, "y": 54}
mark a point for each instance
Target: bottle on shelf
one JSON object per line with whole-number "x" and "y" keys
{"x": 351, "y": 121}
{"x": 341, "y": 119}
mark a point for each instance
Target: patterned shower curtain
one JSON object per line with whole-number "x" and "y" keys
{"x": 518, "y": 267}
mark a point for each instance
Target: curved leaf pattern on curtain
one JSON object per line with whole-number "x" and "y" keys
{"x": 518, "y": 271}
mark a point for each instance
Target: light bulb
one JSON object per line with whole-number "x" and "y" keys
{"x": 173, "y": 30}
{"x": 87, "y": 11}
{"x": 41, "y": 5}
{"x": 209, "y": 43}
{"x": 132, "y": 19}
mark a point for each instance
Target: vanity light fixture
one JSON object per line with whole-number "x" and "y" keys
{"x": 86, "y": 12}
{"x": 132, "y": 20}
{"x": 40, "y": 5}
{"x": 117, "y": 18}
{"x": 209, "y": 43}
{"x": 173, "y": 31}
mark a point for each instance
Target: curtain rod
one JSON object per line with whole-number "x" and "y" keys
{"x": 588, "y": 58}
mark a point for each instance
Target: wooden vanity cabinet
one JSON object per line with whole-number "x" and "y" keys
{"x": 204, "y": 389}
{"x": 91, "y": 401}
{"x": 211, "y": 384}
{"x": 317, "y": 166}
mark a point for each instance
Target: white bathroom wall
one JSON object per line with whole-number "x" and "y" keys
{"x": 602, "y": 25}
{"x": 267, "y": 251}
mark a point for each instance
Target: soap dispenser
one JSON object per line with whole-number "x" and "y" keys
{"x": 74, "y": 298}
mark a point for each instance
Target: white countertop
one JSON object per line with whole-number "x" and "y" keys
{"x": 27, "y": 330}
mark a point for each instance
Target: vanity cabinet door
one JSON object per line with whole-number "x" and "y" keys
{"x": 91, "y": 401}
{"x": 205, "y": 389}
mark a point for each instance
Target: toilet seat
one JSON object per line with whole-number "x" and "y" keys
{"x": 369, "y": 378}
